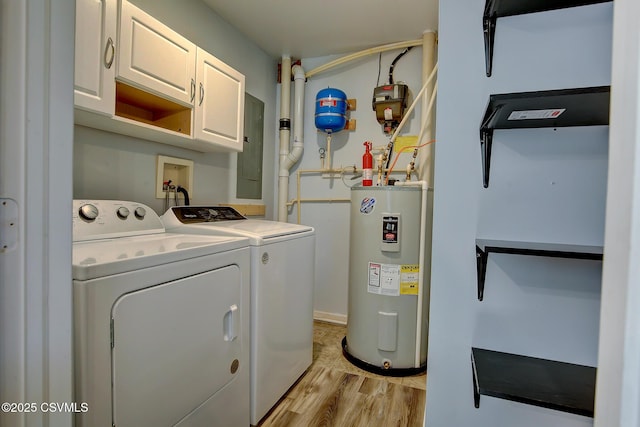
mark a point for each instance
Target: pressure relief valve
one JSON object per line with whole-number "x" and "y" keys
{"x": 367, "y": 165}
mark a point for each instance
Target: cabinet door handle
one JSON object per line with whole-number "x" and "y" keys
{"x": 201, "y": 93}
{"x": 193, "y": 90}
{"x": 109, "y": 48}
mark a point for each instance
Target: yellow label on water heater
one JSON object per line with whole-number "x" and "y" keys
{"x": 409, "y": 276}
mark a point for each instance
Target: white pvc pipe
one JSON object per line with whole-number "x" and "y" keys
{"x": 298, "y": 120}
{"x": 290, "y": 158}
{"x": 423, "y": 226}
{"x": 351, "y": 57}
{"x": 426, "y": 125}
{"x": 285, "y": 89}
{"x": 426, "y": 156}
{"x": 285, "y": 132}
{"x": 329, "y": 164}
{"x": 424, "y": 128}
{"x": 413, "y": 104}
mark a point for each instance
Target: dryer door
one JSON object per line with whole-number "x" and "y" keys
{"x": 174, "y": 346}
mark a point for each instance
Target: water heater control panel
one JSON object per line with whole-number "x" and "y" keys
{"x": 390, "y": 232}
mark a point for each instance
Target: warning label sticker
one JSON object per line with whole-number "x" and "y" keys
{"x": 393, "y": 279}
{"x": 536, "y": 114}
{"x": 328, "y": 102}
{"x": 374, "y": 276}
{"x": 384, "y": 279}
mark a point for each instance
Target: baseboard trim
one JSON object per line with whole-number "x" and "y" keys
{"x": 323, "y": 316}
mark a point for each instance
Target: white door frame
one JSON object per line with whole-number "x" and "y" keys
{"x": 618, "y": 380}
{"x": 36, "y": 153}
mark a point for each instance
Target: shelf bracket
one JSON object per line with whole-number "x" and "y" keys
{"x": 476, "y": 387}
{"x": 489, "y": 26}
{"x": 486, "y": 139}
{"x": 481, "y": 264}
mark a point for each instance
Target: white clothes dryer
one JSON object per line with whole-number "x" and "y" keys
{"x": 161, "y": 321}
{"x": 282, "y": 283}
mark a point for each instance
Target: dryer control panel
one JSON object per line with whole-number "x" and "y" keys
{"x": 104, "y": 219}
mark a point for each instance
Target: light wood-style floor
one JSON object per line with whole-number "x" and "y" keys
{"x": 335, "y": 393}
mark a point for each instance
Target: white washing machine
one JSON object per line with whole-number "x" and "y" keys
{"x": 282, "y": 278}
{"x": 161, "y": 321}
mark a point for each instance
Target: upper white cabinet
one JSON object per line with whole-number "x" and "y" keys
{"x": 219, "y": 113}
{"x": 153, "y": 84}
{"x": 155, "y": 57}
{"x": 95, "y": 55}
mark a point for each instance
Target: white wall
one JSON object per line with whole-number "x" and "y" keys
{"x": 331, "y": 220}
{"x": 545, "y": 185}
{"x": 113, "y": 166}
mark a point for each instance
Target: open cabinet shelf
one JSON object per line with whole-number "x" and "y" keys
{"x": 555, "y": 250}
{"x": 494, "y": 9}
{"x": 550, "y": 384}
{"x": 541, "y": 109}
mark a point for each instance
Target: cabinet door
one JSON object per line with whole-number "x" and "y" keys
{"x": 95, "y": 55}
{"x": 154, "y": 57}
{"x": 219, "y": 115}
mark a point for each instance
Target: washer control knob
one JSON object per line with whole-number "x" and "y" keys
{"x": 88, "y": 212}
{"x": 122, "y": 212}
{"x": 140, "y": 212}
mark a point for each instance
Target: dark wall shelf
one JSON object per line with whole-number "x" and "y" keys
{"x": 551, "y": 108}
{"x": 555, "y": 250}
{"x": 550, "y": 384}
{"x": 494, "y": 9}
{"x": 534, "y": 381}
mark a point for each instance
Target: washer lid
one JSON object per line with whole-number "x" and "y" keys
{"x": 259, "y": 232}
{"x": 227, "y": 221}
{"x": 101, "y": 258}
{"x": 261, "y": 228}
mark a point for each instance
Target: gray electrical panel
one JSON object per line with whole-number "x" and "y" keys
{"x": 249, "y": 170}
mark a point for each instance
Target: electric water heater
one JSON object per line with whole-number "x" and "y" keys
{"x": 386, "y": 330}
